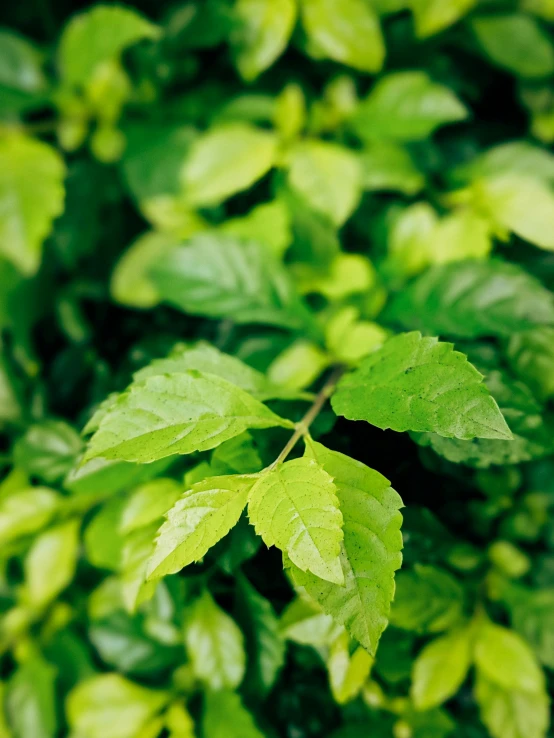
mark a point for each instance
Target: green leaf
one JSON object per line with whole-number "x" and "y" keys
{"x": 294, "y": 507}
{"x": 97, "y": 36}
{"x": 386, "y": 165}
{"x": 50, "y": 563}
{"x": 20, "y": 63}
{"x": 441, "y": 668}
{"x": 473, "y": 299}
{"x": 416, "y": 383}
{"x": 265, "y": 643}
{"x": 532, "y": 619}
{"x": 370, "y": 551}
{"x": 509, "y": 713}
{"x": 135, "y": 552}
{"x": 238, "y": 456}
{"x": 427, "y": 600}
{"x": 265, "y": 27}
{"x": 406, "y": 106}
{"x": 432, "y": 16}
{"x": 197, "y": 521}
{"x": 177, "y": 414}
{"x": 31, "y": 700}
{"x": 304, "y": 622}
{"x": 505, "y": 659}
{"x": 100, "y": 478}
{"x": 214, "y": 644}
{"x": 531, "y": 356}
{"x": 225, "y": 717}
{"x": 225, "y": 160}
{"x": 148, "y": 503}
{"x": 110, "y": 706}
{"x": 347, "y": 672}
{"x": 349, "y": 34}
{"x": 327, "y": 176}
{"x": 48, "y": 450}
{"x": 515, "y": 157}
{"x": 268, "y": 223}
{"x": 102, "y": 539}
{"x": 26, "y": 511}
{"x": 31, "y": 197}
{"x": 516, "y": 42}
{"x": 221, "y": 277}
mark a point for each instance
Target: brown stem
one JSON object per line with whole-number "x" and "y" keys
{"x": 303, "y": 426}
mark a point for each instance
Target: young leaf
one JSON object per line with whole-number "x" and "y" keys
{"x": 50, "y": 564}
{"x": 349, "y": 34}
{"x": 294, "y": 507}
{"x": 221, "y": 277}
{"x": 416, "y": 383}
{"x": 406, "y": 106}
{"x": 214, "y": 644}
{"x": 440, "y": 668}
{"x": 225, "y": 160}
{"x": 31, "y": 197}
{"x": 473, "y": 299}
{"x": 177, "y": 414}
{"x": 197, "y": 521}
{"x": 225, "y": 717}
{"x": 370, "y": 551}
{"x": 512, "y": 713}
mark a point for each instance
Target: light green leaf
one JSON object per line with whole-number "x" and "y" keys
{"x": 177, "y": 414}
{"x": 197, "y": 521}
{"x": 26, "y": 511}
{"x": 349, "y": 33}
{"x": 50, "y": 563}
{"x": 505, "y": 659}
{"x": 268, "y": 223}
{"x": 221, "y": 277}
{"x": 225, "y": 717}
{"x": 99, "y": 35}
{"x": 299, "y": 365}
{"x": 136, "y": 550}
{"x": 509, "y": 713}
{"x": 416, "y": 383}
{"x": 473, "y": 299}
{"x": 225, "y": 160}
{"x": 432, "y": 16}
{"x": 110, "y": 706}
{"x": 370, "y": 552}
{"x": 304, "y": 622}
{"x": 48, "y": 450}
{"x": 347, "y": 672}
{"x": 294, "y": 507}
{"x": 406, "y": 106}
{"x": 102, "y": 539}
{"x": 440, "y": 668}
{"x": 409, "y": 238}
{"x": 531, "y": 355}
{"x": 238, "y": 456}
{"x": 516, "y": 42}
{"x": 20, "y": 63}
{"x": 327, "y": 176}
{"x": 100, "y": 479}
{"x": 427, "y": 600}
{"x": 386, "y": 165}
{"x": 31, "y": 700}
{"x": 515, "y": 157}
{"x": 31, "y": 197}
{"x": 148, "y": 503}
{"x": 265, "y": 27}
{"x": 215, "y": 644}
{"x": 520, "y": 204}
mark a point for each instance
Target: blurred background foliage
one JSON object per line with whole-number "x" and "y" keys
{"x": 389, "y": 163}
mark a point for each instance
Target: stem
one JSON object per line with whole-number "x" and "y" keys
{"x": 303, "y": 426}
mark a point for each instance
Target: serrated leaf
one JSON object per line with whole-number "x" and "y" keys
{"x": 349, "y": 34}
{"x": 221, "y": 277}
{"x": 31, "y": 197}
{"x": 215, "y": 644}
{"x": 406, "y": 106}
{"x": 370, "y": 551}
{"x": 265, "y": 27}
{"x": 226, "y": 717}
{"x": 99, "y": 35}
{"x": 197, "y": 521}
{"x": 416, "y": 383}
{"x": 294, "y": 507}
{"x": 327, "y": 176}
{"x": 177, "y": 414}
{"x": 509, "y": 713}
{"x": 473, "y": 299}
{"x": 440, "y": 668}
{"x": 227, "y": 159}
{"x": 427, "y": 600}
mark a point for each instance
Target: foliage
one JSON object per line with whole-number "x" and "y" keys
{"x": 276, "y": 369}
